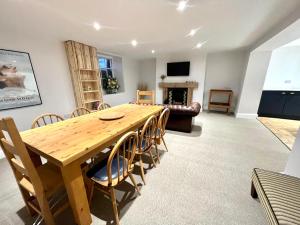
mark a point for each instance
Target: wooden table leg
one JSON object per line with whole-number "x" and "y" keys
{"x": 75, "y": 188}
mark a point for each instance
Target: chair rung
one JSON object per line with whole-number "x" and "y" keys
{"x": 27, "y": 185}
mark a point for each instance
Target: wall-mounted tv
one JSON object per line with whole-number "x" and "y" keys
{"x": 178, "y": 69}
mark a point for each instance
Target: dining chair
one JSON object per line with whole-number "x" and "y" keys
{"x": 108, "y": 173}
{"x": 39, "y": 184}
{"x": 161, "y": 127}
{"x": 145, "y": 97}
{"x": 145, "y": 143}
{"x": 44, "y": 119}
{"x": 80, "y": 111}
{"x": 103, "y": 105}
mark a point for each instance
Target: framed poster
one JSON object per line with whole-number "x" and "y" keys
{"x": 18, "y": 87}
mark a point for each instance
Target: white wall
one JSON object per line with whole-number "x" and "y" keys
{"x": 284, "y": 70}
{"x": 253, "y": 84}
{"x": 293, "y": 164}
{"x": 131, "y": 79}
{"x": 52, "y": 75}
{"x": 147, "y": 72}
{"x": 197, "y": 73}
{"x": 224, "y": 70}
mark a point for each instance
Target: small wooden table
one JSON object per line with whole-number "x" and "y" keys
{"x": 70, "y": 143}
{"x": 221, "y": 105}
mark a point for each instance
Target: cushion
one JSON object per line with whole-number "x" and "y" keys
{"x": 99, "y": 171}
{"x": 279, "y": 195}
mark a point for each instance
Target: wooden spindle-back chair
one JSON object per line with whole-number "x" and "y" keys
{"x": 146, "y": 143}
{"x": 103, "y": 105}
{"x": 161, "y": 126}
{"x": 37, "y": 182}
{"x": 45, "y": 119}
{"x": 80, "y": 111}
{"x": 145, "y": 97}
{"x": 109, "y": 173}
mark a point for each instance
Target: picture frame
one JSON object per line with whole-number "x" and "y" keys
{"x": 18, "y": 86}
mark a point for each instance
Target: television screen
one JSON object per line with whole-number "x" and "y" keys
{"x": 178, "y": 69}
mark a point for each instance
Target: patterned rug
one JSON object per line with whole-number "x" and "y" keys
{"x": 285, "y": 130}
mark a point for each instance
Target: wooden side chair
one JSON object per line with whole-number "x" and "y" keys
{"x": 145, "y": 97}
{"x": 161, "y": 127}
{"x": 145, "y": 144}
{"x": 44, "y": 119}
{"x": 107, "y": 174}
{"x": 103, "y": 105}
{"x": 80, "y": 111}
{"x": 38, "y": 183}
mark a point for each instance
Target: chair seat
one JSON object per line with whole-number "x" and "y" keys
{"x": 99, "y": 171}
{"x": 279, "y": 195}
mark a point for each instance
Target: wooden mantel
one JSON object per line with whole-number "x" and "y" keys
{"x": 190, "y": 85}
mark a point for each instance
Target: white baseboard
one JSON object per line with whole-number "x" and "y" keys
{"x": 246, "y": 115}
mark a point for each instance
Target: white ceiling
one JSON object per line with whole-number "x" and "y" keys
{"x": 155, "y": 24}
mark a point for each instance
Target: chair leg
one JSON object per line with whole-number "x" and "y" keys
{"x": 151, "y": 156}
{"x": 164, "y": 143}
{"x": 142, "y": 170}
{"x": 46, "y": 212}
{"x": 157, "y": 153}
{"x": 134, "y": 183}
{"x": 114, "y": 204}
{"x": 91, "y": 192}
{"x": 253, "y": 191}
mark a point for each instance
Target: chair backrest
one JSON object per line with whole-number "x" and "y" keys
{"x": 18, "y": 157}
{"x": 162, "y": 121}
{"x": 103, "y": 105}
{"x": 80, "y": 111}
{"x": 145, "y": 97}
{"x": 147, "y": 134}
{"x": 123, "y": 152}
{"x": 47, "y": 118}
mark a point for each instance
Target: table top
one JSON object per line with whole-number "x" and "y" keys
{"x": 66, "y": 141}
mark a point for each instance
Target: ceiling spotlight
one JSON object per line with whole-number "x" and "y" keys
{"x": 152, "y": 51}
{"x": 192, "y": 32}
{"x": 200, "y": 44}
{"x": 134, "y": 43}
{"x": 182, "y": 5}
{"x": 96, "y": 26}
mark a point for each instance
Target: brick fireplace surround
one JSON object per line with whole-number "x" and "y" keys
{"x": 188, "y": 85}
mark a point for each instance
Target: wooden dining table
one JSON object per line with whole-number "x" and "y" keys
{"x": 70, "y": 143}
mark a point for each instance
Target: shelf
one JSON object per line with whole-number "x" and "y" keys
{"x": 90, "y": 101}
{"x": 89, "y": 80}
{"x": 91, "y": 91}
{"x": 90, "y": 70}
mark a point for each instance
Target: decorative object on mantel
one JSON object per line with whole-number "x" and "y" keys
{"x": 220, "y": 104}
{"x": 112, "y": 116}
{"x": 183, "y": 91}
{"x": 162, "y": 77}
{"x": 85, "y": 74}
{"x": 18, "y": 87}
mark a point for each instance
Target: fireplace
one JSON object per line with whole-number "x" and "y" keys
{"x": 176, "y": 96}
{"x": 178, "y": 93}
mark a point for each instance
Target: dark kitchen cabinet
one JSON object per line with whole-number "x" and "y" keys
{"x": 280, "y": 104}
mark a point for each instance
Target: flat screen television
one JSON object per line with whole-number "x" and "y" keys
{"x": 178, "y": 69}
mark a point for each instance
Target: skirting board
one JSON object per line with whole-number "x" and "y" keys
{"x": 246, "y": 115}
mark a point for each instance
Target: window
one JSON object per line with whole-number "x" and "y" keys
{"x": 111, "y": 73}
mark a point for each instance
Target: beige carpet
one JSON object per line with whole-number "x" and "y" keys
{"x": 204, "y": 179}
{"x": 285, "y": 130}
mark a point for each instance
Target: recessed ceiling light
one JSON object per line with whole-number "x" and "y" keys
{"x": 152, "y": 51}
{"x": 96, "y": 26}
{"x": 182, "y": 5}
{"x": 200, "y": 44}
{"x": 134, "y": 43}
{"x": 192, "y": 32}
